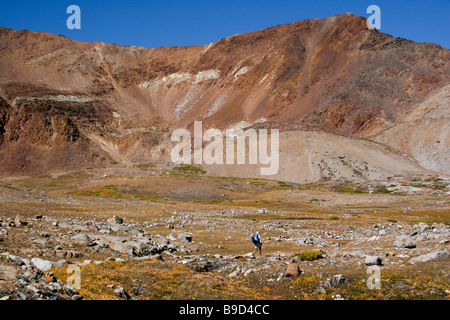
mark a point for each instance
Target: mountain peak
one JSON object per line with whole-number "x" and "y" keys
{"x": 331, "y": 75}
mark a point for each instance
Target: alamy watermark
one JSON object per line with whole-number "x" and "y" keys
{"x": 74, "y": 280}
{"x": 374, "y": 280}
{"x": 374, "y": 21}
{"x": 214, "y": 152}
{"x": 74, "y": 21}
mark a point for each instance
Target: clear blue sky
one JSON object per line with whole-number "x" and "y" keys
{"x": 155, "y": 23}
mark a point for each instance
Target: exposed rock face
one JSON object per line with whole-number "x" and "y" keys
{"x": 67, "y": 104}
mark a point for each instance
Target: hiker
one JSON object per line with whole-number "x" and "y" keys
{"x": 256, "y": 239}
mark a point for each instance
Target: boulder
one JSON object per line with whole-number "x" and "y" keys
{"x": 81, "y": 239}
{"x": 420, "y": 228}
{"x": 73, "y": 254}
{"x": 185, "y": 237}
{"x": 404, "y": 242}
{"x": 141, "y": 249}
{"x": 116, "y": 220}
{"x": 118, "y": 246}
{"x": 42, "y": 265}
{"x": 338, "y": 280}
{"x": 43, "y": 242}
{"x": 373, "y": 261}
{"x": 293, "y": 270}
{"x": 205, "y": 266}
{"x": 134, "y": 248}
{"x": 357, "y": 253}
{"x": 122, "y": 293}
{"x": 61, "y": 253}
{"x": 313, "y": 241}
{"x": 60, "y": 263}
{"x": 44, "y": 234}
{"x": 17, "y": 260}
{"x": 432, "y": 256}
{"x": 49, "y": 279}
{"x": 18, "y": 222}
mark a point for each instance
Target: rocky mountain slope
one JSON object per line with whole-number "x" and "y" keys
{"x": 337, "y": 91}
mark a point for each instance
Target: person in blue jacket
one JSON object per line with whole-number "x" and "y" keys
{"x": 256, "y": 239}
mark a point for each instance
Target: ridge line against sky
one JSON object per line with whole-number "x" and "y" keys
{"x": 157, "y": 23}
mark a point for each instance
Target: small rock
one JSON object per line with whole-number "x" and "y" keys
{"x": 339, "y": 280}
{"x": 73, "y": 254}
{"x": 122, "y": 293}
{"x": 184, "y": 237}
{"x": 293, "y": 270}
{"x": 233, "y": 274}
{"x": 61, "y": 253}
{"x": 321, "y": 290}
{"x": 17, "y": 260}
{"x": 391, "y": 254}
{"x": 206, "y": 266}
{"x": 116, "y": 219}
{"x": 138, "y": 289}
{"x": 49, "y": 279}
{"x": 44, "y": 243}
{"x": 246, "y": 273}
{"x": 19, "y": 222}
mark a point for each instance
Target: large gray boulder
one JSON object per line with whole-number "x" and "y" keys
{"x": 404, "y": 242}
{"x": 134, "y": 248}
{"x": 420, "y": 228}
{"x": 184, "y": 237}
{"x": 42, "y": 265}
{"x": 81, "y": 239}
{"x": 373, "y": 261}
{"x": 432, "y": 256}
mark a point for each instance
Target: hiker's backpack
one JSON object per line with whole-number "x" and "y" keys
{"x": 255, "y": 238}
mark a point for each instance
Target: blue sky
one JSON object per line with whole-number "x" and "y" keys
{"x": 155, "y": 23}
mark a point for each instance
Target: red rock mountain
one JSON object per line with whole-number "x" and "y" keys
{"x": 334, "y": 87}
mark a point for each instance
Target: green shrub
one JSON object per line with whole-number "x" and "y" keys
{"x": 383, "y": 190}
{"x": 192, "y": 169}
{"x": 309, "y": 255}
{"x": 258, "y": 183}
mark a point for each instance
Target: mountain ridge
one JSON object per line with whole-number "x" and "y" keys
{"x": 331, "y": 75}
